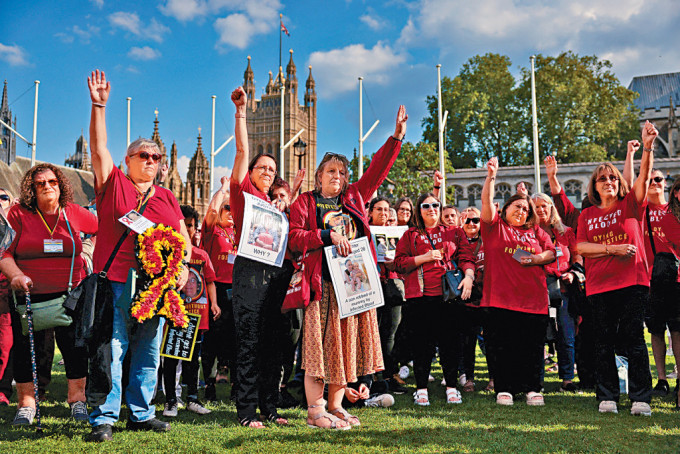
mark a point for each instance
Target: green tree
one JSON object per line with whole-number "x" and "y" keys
{"x": 584, "y": 113}
{"x": 484, "y": 115}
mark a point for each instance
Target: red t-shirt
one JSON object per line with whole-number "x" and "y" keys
{"x": 670, "y": 237}
{"x": 565, "y": 248}
{"x": 219, "y": 243}
{"x": 237, "y": 200}
{"x": 656, "y": 214}
{"x": 566, "y": 209}
{"x": 201, "y": 273}
{"x": 49, "y": 271}
{"x": 619, "y": 224}
{"x": 116, "y": 197}
{"x": 507, "y": 283}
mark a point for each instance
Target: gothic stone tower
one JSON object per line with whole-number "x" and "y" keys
{"x": 8, "y": 147}
{"x": 264, "y": 119}
{"x": 174, "y": 180}
{"x": 197, "y": 190}
{"x": 80, "y": 159}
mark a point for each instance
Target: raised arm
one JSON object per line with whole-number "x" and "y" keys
{"x": 438, "y": 179}
{"x": 102, "y": 162}
{"x": 551, "y": 171}
{"x": 641, "y": 184}
{"x": 297, "y": 183}
{"x": 488, "y": 208}
{"x": 240, "y": 169}
{"x": 628, "y": 169}
{"x": 211, "y": 216}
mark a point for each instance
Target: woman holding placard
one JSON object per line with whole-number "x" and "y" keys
{"x": 337, "y": 351}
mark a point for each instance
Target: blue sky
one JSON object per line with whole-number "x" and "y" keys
{"x": 172, "y": 55}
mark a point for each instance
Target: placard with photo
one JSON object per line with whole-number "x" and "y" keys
{"x": 356, "y": 280}
{"x": 264, "y": 235}
{"x": 385, "y": 240}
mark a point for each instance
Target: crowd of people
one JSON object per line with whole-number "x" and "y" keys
{"x": 593, "y": 276}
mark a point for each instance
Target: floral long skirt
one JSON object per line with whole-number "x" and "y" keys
{"x": 339, "y": 351}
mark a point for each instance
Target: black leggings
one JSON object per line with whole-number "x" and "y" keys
{"x": 189, "y": 375}
{"x": 219, "y": 342}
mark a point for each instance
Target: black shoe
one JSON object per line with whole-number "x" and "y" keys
{"x": 287, "y": 400}
{"x": 568, "y": 388}
{"x": 153, "y": 424}
{"x": 210, "y": 393}
{"x": 102, "y": 432}
{"x": 661, "y": 389}
{"x": 394, "y": 387}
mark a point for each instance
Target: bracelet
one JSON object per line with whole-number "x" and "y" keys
{"x": 647, "y": 149}
{"x": 98, "y": 105}
{"x": 240, "y": 115}
{"x": 437, "y": 187}
{"x": 185, "y": 263}
{"x": 491, "y": 178}
{"x": 606, "y": 249}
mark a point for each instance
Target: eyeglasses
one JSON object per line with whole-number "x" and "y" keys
{"x": 611, "y": 177}
{"x": 265, "y": 169}
{"x": 4, "y": 197}
{"x": 43, "y": 183}
{"x": 334, "y": 155}
{"x": 472, "y": 221}
{"x": 226, "y": 207}
{"x": 427, "y": 206}
{"x": 145, "y": 155}
{"x": 405, "y": 210}
{"x": 520, "y": 207}
{"x": 656, "y": 180}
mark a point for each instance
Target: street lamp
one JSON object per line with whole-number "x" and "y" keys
{"x": 300, "y": 150}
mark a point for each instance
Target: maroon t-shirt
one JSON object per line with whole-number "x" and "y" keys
{"x": 670, "y": 228}
{"x": 199, "y": 298}
{"x": 116, "y": 197}
{"x": 49, "y": 271}
{"x": 507, "y": 283}
{"x": 219, "y": 243}
{"x": 619, "y": 224}
{"x": 656, "y": 215}
{"x": 565, "y": 249}
{"x": 237, "y": 200}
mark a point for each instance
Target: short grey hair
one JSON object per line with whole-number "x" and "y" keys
{"x": 142, "y": 143}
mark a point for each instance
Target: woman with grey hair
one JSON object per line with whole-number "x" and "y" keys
{"x": 117, "y": 194}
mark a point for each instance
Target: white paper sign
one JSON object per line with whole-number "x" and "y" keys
{"x": 136, "y": 221}
{"x": 264, "y": 235}
{"x": 355, "y": 278}
{"x": 385, "y": 240}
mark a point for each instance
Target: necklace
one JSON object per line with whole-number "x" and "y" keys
{"x": 334, "y": 200}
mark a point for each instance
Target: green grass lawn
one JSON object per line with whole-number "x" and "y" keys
{"x": 568, "y": 423}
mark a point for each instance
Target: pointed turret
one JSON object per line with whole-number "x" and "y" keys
{"x": 270, "y": 85}
{"x": 310, "y": 92}
{"x": 156, "y": 137}
{"x": 197, "y": 192}
{"x": 291, "y": 81}
{"x": 249, "y": 85}
{"x": 8, "y": 140}
{"x": 4, "y": 107}
{"x": 174, "y": 181}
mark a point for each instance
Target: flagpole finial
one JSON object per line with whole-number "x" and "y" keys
{"x": 281, "y": 15}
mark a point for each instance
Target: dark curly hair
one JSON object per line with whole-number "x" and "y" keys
{"x": 28, "y": 198}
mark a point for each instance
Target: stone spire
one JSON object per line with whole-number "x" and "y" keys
{"x": 156, "y": 137}
{"x": 291, "y": 77}
{"x": 174, "y": 181}
{"x": 270, "y": 85}
{"x": 4, "y": 107}
{"x": 8, "y": 140}
{"x": 310, "y": 92}
{"x": 197, "y": 191}
{"x": 80, "y": 159}
{"x": 249, "y": 85}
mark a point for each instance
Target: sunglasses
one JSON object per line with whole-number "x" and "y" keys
{"x": 4, "y": 197}
{"x": 43, "y": 183}
{"x": 266, "y": 169}
{"x": 427, "y": 206}
{"x": 145, "y": 155}
{"x": 610, "y": 177}
{"x": 656, "y": 180}
{"x": 472, "y": 221}
{"x": 226, "y": 207}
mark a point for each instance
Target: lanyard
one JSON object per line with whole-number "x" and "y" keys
{"x": 231, "y": 238}
{"x": 51, "y": 231}
{"x": 144, "y": 196}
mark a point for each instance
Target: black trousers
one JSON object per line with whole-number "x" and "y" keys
{"x": 189, "y": 375}
{"x": 514, "y": 346}
{"x": 618, "y": 318}
{"x": 432, "y": 322}
{"x": 292, "y": 327}
{"x": 219, "y": 342}
{"x": 259, "y": 290}
{"x": 471, "y": 326}
{"x": 389, "y": 318}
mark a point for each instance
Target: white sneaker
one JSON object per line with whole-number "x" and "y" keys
{"x": 641, "y": 408}
{"x": 609, "y": 406}
{"x": 196, "y": 407}
{"x": 462, "y": 379}
{"x": 380, "y": 400}
{"x": 404, "y": 372}
{"x": 170, "y": 410}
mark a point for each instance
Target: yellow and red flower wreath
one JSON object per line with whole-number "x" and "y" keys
{"x": 160, "y": 251}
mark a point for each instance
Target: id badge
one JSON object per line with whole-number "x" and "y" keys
{"x": 559, "y": 252}
{"x": 51, "y": 246}
{"x": 135, "y": 221}
{"x": 231, "y": 258}
{"x": 553, "y": 312}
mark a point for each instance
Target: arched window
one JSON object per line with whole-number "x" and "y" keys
{"x": 458, "y": 191}
{"x": 574, "y": 190}
{"x": 503, "y": 192}
{"x": 546, "y": 188}
{"x": 474, "y": 194}
{"x": 260, "y": 149}
{"x": 269, "y": 148}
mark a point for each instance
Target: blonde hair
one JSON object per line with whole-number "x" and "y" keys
{"x": 554, "y": 221}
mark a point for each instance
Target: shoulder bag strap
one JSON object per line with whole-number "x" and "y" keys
{"x": 109, "y": 262}
{"x": 649, "y": 230}
{"x": 455, "y": 267}
{"x": 73, "y": 255}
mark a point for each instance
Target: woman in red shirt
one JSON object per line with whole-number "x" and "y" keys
{"x": 515, "y": 293}
{"x": 610, "y": 237}
{"x": 43, "y": 242}
{"x": 422, "y": 257}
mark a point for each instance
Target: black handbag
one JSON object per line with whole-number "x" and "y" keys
{"x": 451, "y": 280}
{"x": 394, "y": 292}
{"x": 665, "y": 269}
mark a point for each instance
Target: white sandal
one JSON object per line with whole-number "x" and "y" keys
{"x": 421, "y": 398}
{"x": 535, "y": 399}
{"x": 453, "y": 396}
{"x": 504, "y": 399}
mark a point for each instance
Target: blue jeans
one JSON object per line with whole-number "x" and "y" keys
{"x": 566, "y": 328}
{"x": 144, "y": 341}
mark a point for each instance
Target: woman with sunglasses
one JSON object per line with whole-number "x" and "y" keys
{"x": 47, "y": 225}
{"x": 258, "y": 290}
{"x": 564, "y": 239}
{"x": 336, "y": 351}
{"x": 515, "y": 294}
{"x": 664, "y": 308}
{"x": 218, "y": 239}
{"x": 423, "y": 255}
{"x": 610, "y": 237}
{"x": 117, "y": 194}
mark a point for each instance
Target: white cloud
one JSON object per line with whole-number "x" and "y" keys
{"x": 98, "y": 3}
{"x": 337, "y": 71}
{"x": 183, "y": 166}
{"x": 85, "y": 34}
{"x": 237, "y": 29}
{"x": 185, "y": 10}
{"x": 144, "y": 53}
{"x": 14, "y": 55}
{"x": 131, "y": 23}
{"x": 373, "y": 22}
{"x": 64, "y": 37}
{"x": 183, "y": 169}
